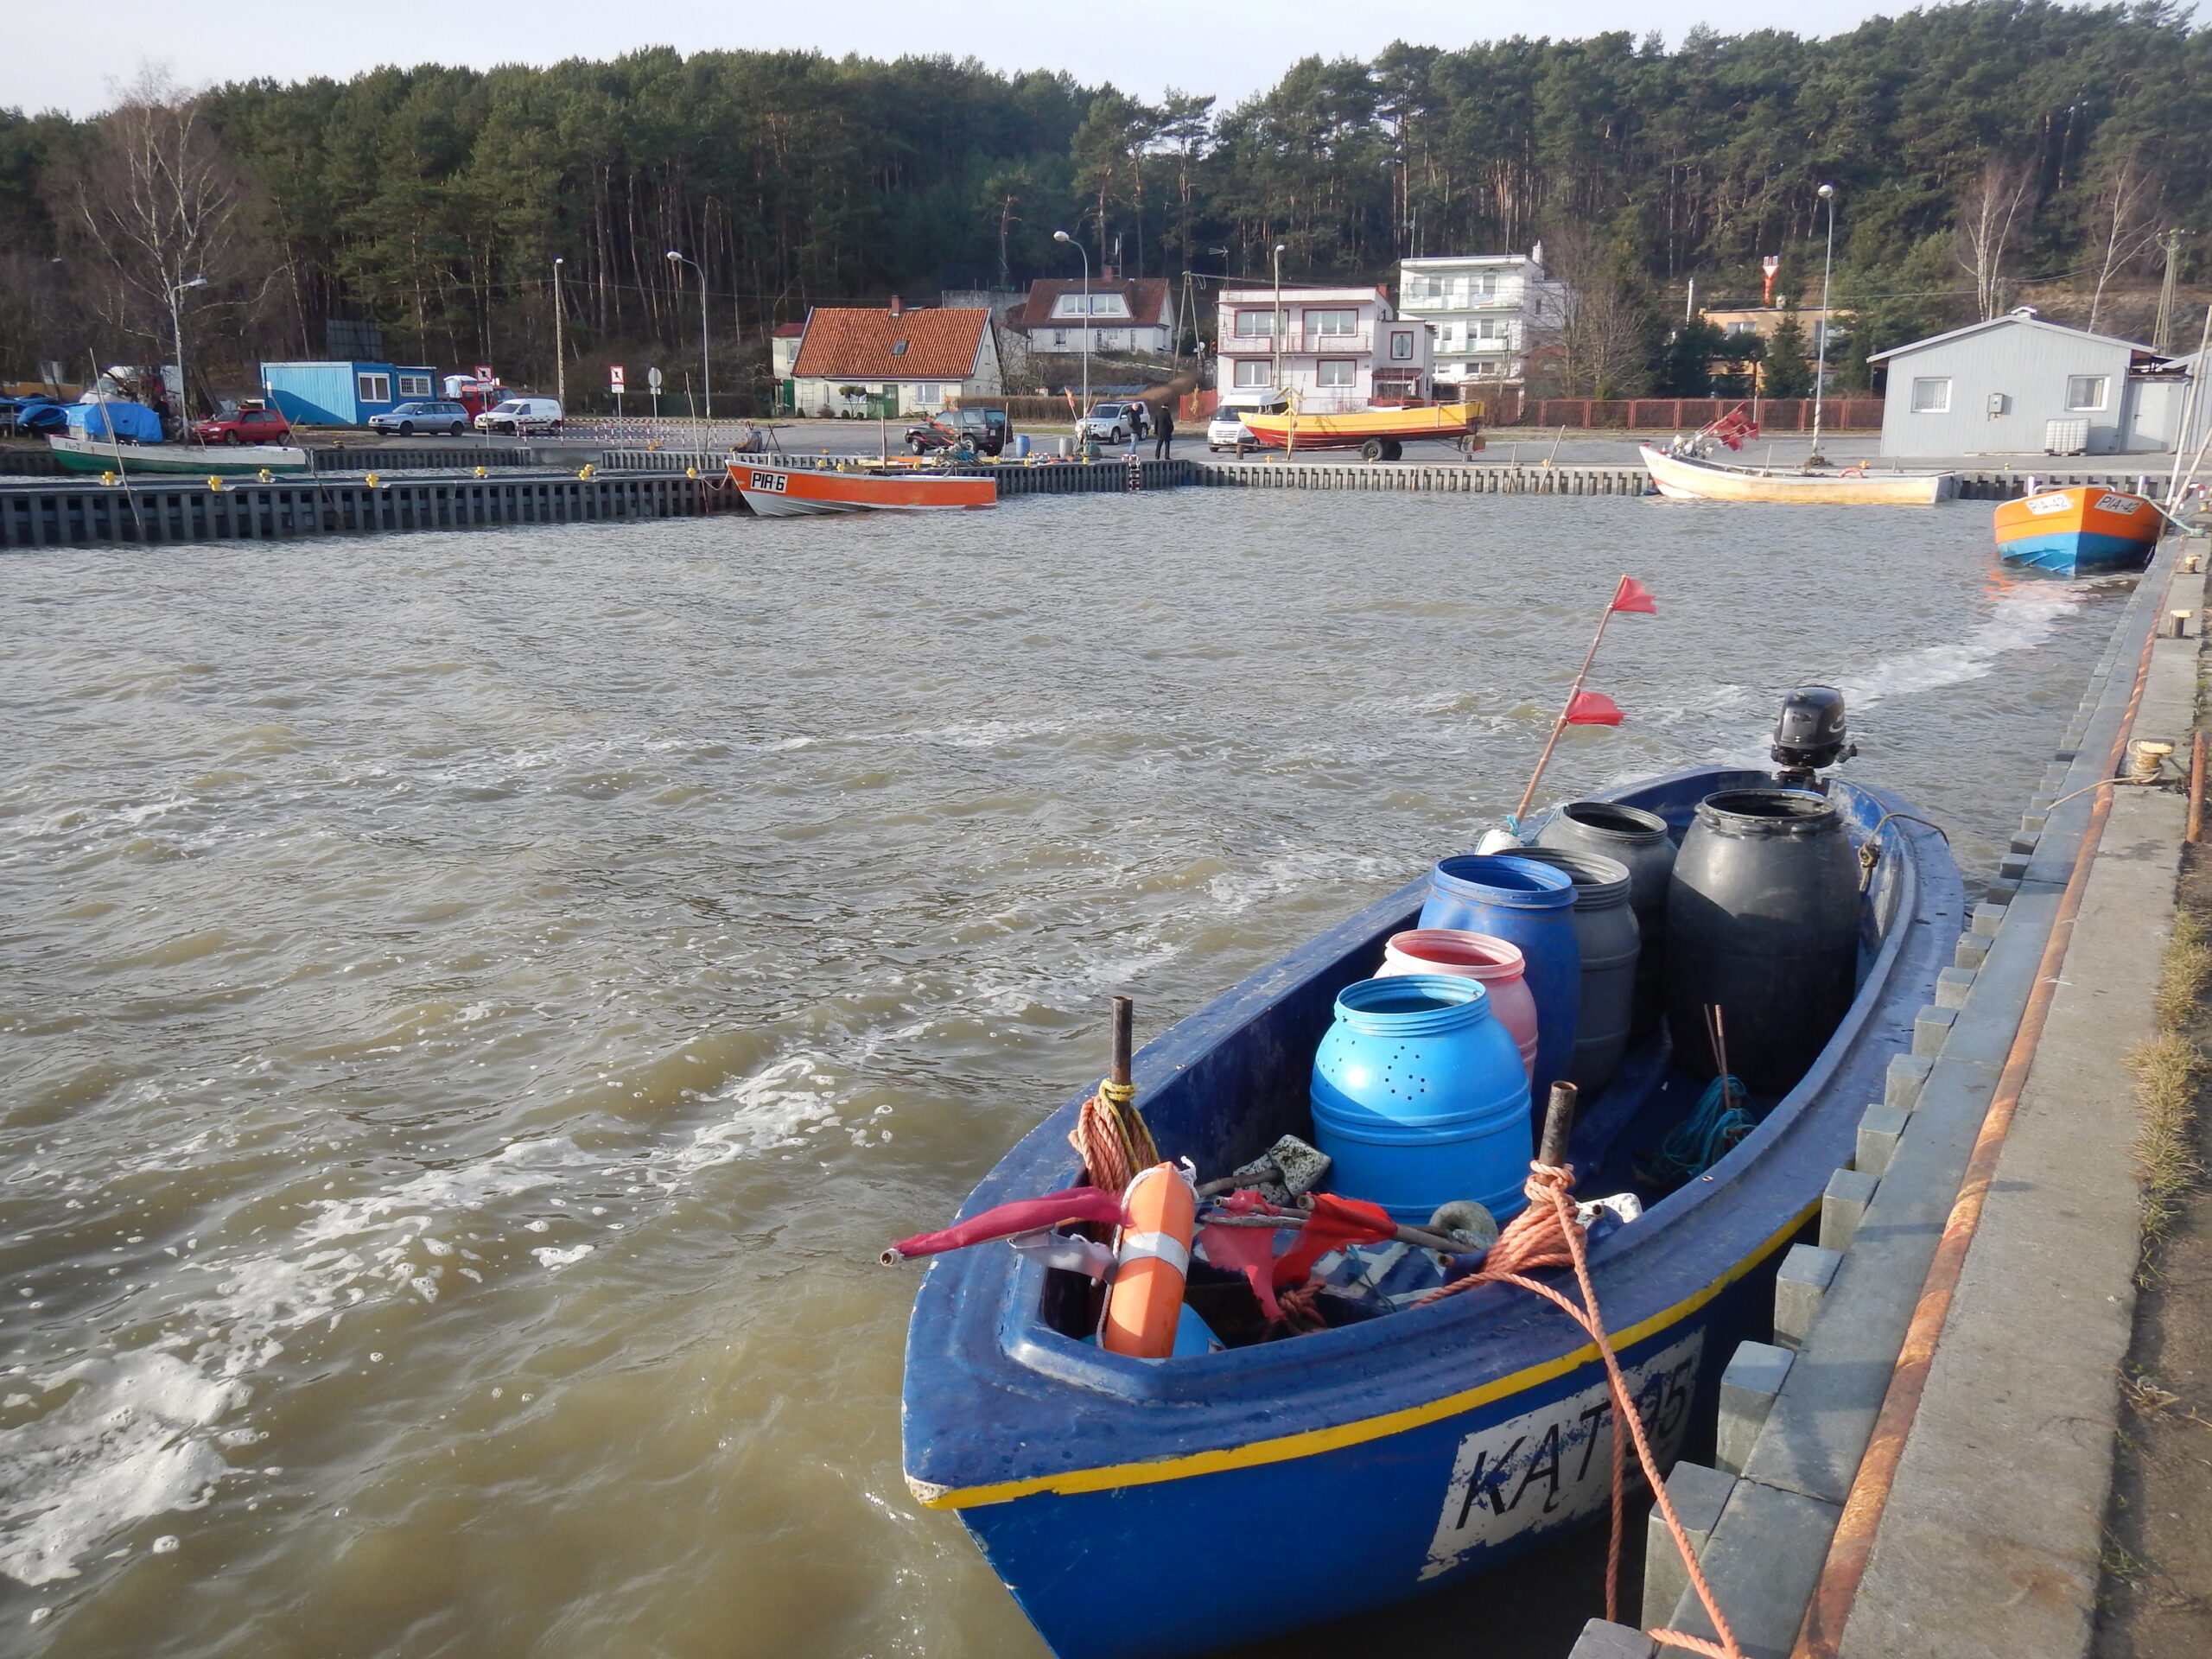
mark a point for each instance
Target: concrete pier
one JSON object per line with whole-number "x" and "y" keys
{"x": 1932, "y": 1473}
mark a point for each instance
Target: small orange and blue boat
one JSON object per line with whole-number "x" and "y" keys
{"x": 2080, "y": 528}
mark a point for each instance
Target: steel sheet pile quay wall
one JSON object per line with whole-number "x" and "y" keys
{"x": 338, "y": 459}
{"x": 1109, "y": 476}
{"x": 1991, "y": 1548}
{"x": 42, "y": 514}
{"x": 1482, "y": 478}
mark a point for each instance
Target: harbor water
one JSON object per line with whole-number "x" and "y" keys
{"x": 474, "y": 1005}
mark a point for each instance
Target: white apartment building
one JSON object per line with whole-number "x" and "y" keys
{"x": 1488, "y": 309}
{"x": 1339, "y": 348}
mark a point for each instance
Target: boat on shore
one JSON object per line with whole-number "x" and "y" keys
{"x": 1435, "y": 1441}
{"x": 1377, "y": 433}
{"x": 2078, "y": 528}
{"x": 1687, "y": 476}
{"x": 178, "y": 460}
{"x": 776, "y": 491}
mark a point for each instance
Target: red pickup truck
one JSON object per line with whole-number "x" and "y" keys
{"x": 251, "y": 424}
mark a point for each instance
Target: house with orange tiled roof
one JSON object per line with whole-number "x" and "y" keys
{"x": 885, "y": 361}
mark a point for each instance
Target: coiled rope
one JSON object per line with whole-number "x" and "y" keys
{"x": 1547, "y": 1235}
{"x": 1111, "y": 1135}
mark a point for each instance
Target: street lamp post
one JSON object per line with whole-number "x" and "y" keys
{"x": 706, "y": 363}
{"x": 1062, "y": 235}
{"x": 176, "y": 339}
{"x": 1275, "y": 336}
{"x": 1820, "y": 351}
{"x": 560, "y": 354}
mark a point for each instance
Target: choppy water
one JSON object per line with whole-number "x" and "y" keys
{"x": 472, "y": 1006}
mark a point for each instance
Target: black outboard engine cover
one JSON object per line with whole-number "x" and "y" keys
{"x": 1809, "y": 735}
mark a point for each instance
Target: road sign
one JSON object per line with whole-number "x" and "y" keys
{"x": 652, "y": 379}
{"x": 483, "y": 372}
{"x": 614, "y": 377}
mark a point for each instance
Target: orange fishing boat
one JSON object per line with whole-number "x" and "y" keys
{"x": 1377, "y": 433}
{"x": 2080, "y": 528}
{"x": 776, "y": 491}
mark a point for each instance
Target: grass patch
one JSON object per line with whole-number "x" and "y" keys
{"x": 2170, "y": 1076}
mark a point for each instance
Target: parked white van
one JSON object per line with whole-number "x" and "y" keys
{"x": 521, "y": 415}
{"x": 1226, "y": 430}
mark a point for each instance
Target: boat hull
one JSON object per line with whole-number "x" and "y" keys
{"x": 1431, "y": 1445}
{"x": 796, "y": 491}
{"x": 1685, "y": 478}
{"x": 243, "y": 461}
{"x": 2079, "y": 529}
{"x": 1445, "y": 423}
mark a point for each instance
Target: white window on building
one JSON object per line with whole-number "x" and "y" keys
{"x": 1255, "y": 324}
{"x": 1101, "y": 305}
{"x": 414, "y": 386}
{"x": 372, "y": 388}
{"x": 1060, "y": 340}
{"x": 1932, "y": 396}
{"x": 2085, "y": 393}
{"x": 1253, "y": 372}
{"x": 1402, "y": 345}
{"x": 1337, "y": 372}
{"x": 1332, "y": 322}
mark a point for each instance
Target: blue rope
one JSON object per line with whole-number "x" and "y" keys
{"x": 1706, "y": 1136}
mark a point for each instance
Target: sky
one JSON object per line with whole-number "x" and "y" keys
{"x": 72, "y": 57}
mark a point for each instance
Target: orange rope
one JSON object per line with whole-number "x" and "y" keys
{"x": 1111, "y": 1137}
{"x": 1547, "y": 1235}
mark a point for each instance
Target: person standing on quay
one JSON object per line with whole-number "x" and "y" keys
{"x": 1163, "y": 434}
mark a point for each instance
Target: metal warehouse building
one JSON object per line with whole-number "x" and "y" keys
{"x": 2017, "y": 385}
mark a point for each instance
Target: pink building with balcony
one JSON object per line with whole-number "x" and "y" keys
{"x": 1339, "y": 349}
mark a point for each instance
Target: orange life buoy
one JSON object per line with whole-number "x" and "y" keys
{"x": 1152, "y": 1259}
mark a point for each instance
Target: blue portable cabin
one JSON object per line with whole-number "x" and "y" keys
{"x": 344, "y": 394}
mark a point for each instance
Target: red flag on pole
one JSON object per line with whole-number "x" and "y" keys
{"x": 1593, "y": 708}
{"x": 1633, "y": 595}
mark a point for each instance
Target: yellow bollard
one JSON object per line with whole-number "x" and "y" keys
{"x": 108, "y": 479}
{"x": 372, "y": 481}
{"x": 266, "y": 476}
{"x": 585, "y": 471}
{"x": 213, "y": 482}
{"x": 483, "y": 472}
{"x": 690, "y": 472}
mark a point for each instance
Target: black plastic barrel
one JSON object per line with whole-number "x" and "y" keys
{"x": 1606, "y": 934}
{"x": 1639, "y": 840}
{"x": 1763, "y": 919}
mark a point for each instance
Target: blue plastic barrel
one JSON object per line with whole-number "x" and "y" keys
{"x": 1021, "y": 446}
{"x": 1532, "y": 906}
{"x": 1421, "y": 1098}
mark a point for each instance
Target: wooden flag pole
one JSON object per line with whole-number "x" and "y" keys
{"x": 1560, "y": 725}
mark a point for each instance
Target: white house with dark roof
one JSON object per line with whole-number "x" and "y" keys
{"x": 1118, "y": 313}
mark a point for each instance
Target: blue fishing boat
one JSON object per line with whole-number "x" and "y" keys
{"x": 1139, "y": 1507}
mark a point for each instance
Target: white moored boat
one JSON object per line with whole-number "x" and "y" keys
{"x": 776, "y": 491}
{"x": 1694, "y": 478}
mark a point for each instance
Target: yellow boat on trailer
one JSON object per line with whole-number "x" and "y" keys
{"x": 1377, "y": 433}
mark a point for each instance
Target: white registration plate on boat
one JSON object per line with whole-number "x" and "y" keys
{"x": 772, "y": 483}
{"x": 1554, "y": 1464}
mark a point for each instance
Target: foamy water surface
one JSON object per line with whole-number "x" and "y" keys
{"x": 475, "y": 1004}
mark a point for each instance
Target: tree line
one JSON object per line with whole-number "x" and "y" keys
{"x": 1981, "y": 152}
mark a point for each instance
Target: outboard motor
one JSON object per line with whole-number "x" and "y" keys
{"x": 1809, "y": 735}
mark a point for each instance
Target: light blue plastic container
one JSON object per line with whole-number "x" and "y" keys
{"x": 1421, "y": 1098}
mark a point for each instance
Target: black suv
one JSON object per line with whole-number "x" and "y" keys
{"x": 984, "y": 429}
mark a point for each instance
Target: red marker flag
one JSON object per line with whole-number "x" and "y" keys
{"x": 1593, "y": 708}
{"x": 1633, "y": 595}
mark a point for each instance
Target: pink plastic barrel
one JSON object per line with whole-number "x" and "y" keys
{"x": 1496, "y": 962}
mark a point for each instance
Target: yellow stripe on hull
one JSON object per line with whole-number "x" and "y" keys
{"x": 1314, "y": 1441}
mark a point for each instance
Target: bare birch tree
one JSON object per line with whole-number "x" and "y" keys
{"x": 152, "y": 203}
{"x": 1993, "y": 212}
{"x": 2123, "y": 226}
{"x": 1595, "y": 337}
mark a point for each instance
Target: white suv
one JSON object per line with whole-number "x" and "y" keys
{"x": 521, "y": 415}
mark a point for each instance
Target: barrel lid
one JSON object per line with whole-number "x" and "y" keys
{"x": 1598, "y": 880}
{"x": 1774, "y": 811}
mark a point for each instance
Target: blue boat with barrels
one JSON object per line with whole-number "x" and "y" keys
{"x": 1155, "y": 1507}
